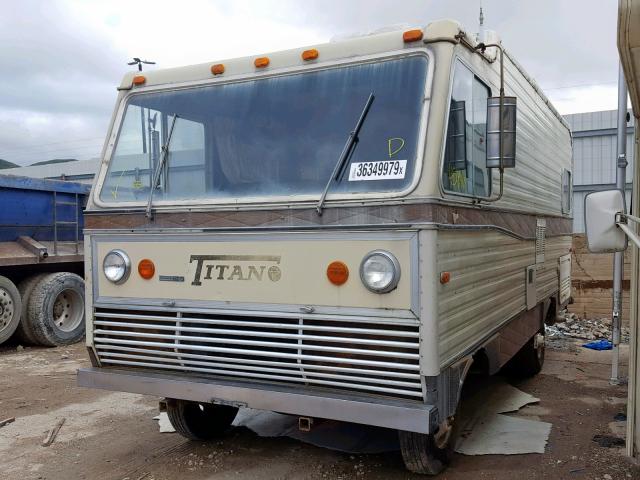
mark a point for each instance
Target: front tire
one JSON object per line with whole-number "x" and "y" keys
{"x": 421, "y": 453}
{"x": 200, "y": 421}
{"x": 10, "y": 308}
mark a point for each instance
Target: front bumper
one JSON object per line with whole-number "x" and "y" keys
{"x": 411, "y": 416}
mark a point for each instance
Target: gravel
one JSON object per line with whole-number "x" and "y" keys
{"x": 587, "y": 329}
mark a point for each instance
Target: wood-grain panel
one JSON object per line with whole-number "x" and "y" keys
{"x": 521, "y": 224}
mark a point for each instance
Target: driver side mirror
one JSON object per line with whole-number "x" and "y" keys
{"x": 601, "y": 215}
{"x": 508, "y": 133}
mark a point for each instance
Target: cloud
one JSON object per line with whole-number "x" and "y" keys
{"x": 63, "y": 59}
{"x": 57, "y": 83}
{"x": 558, "y": 42}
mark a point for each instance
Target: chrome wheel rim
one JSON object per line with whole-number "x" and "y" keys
{"x": 6, "y": 309}
{"x": 68, "y": 310}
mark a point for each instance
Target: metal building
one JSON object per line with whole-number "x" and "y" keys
{"x": 81, "y": 171}
{"x": 594, "y": 157}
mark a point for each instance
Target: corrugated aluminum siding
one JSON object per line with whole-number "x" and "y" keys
{"x": 594, "y": 157}
{"x": 547, "y": 279}
{"x": 543, "y": 149}
{"x": 487, "y": 284}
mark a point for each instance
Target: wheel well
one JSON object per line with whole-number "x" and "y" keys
{"x": 550, "y": 311}
{"x": 481, "y": 363}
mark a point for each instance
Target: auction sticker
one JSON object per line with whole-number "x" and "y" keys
{"x": 382, "y": 170}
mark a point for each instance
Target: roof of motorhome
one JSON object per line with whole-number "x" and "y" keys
{"x": 440, "y": 30}
{"x": 629, "y": 48}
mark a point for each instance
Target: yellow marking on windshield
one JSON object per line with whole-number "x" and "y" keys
{"x": 114, "y": 192}
{"x": 390, "y": 143}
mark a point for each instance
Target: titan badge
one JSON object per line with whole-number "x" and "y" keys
{"x": 236, "y": 267}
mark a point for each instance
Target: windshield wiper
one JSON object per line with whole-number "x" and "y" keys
{"x": 163, "y": 160}
{"x": 346, "y": 151}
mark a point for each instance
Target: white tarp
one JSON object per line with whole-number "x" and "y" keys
{"x": 484, "y": 430}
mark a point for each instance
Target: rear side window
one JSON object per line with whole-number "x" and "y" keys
{"x": 464, "y": 167}
{"x": 567, "y": 193}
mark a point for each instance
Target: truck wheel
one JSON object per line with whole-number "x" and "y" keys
{"x": 25, "y": 287}
{"x": 55, "y": 309}
{"x": 10, "y": 308}
{"x": 421, "y": 453}
{"x": 200, "y": 421}
{"x": 530, "y": 359}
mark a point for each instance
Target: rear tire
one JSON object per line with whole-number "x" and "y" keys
{"x": 55, "y": 311}
{"x": 25, "y": 287}
{"x": 10, "y": 308}
{"x": 421, "y": 453}
{"x": 529, "y": 360}
{"x": 200, "y": 421}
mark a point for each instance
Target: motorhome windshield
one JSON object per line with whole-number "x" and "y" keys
{"x": 270, "y": 137}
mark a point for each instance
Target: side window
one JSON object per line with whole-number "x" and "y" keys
{"x": 138, "y": 152}
{"x": 567, "y": 193}
{"x": 464, "y": 168}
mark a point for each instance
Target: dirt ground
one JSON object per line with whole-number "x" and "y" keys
{"x": 109, "y": 435}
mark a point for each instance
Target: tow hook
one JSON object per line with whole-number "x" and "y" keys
{"x": 305, "y": 424}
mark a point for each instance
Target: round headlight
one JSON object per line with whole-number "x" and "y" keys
{"x": 116, "y": 266}
{"x": 380, "y": 271}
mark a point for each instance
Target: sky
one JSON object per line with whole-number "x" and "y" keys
{"x": 62, "y": 59}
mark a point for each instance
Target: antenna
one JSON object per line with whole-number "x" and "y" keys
{"x": 481, "y": 25}
{"x": 139, "y": 62}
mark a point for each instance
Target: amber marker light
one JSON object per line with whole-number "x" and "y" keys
{"x": 311, "y": 54}
{"x": 217, "y": 69}
{"x": 146, "y": 269}
{"x": 338, "y": 273}
{"x": 261, "y": 62}
{"x": 139, "y": 80}
{"x": 412, "y": 36}
{"x": 445, "y": 277}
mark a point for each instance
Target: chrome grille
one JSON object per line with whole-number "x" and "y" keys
{"x": 351, "y": 353}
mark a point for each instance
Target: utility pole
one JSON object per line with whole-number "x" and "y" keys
{"x": 618, "y": 258}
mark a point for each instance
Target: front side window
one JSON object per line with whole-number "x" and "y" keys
{"x": 140, "y": 149}
{"x": 277, "y": 136}
{"x": 464, "y": 167}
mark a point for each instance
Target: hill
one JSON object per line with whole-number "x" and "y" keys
{"x": 7, "y": 164}
{"x": 55, "y": 160}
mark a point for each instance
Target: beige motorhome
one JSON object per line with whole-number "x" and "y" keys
{"x": 337, "y": 232}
